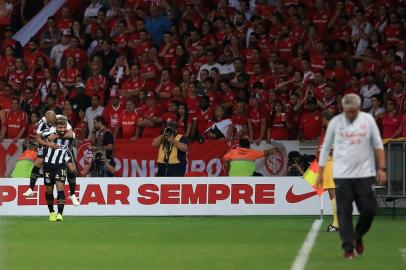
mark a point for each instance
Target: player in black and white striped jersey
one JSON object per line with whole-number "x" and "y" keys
{"x": 46, "y": 123}
{"x": 55, "y": 165}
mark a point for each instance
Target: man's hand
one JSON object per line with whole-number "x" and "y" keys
{"x": 53, "y": 145}
{"x": 381, "y": 177}
{"x": 53, "y": 137}
{"x": 171, "y": 139}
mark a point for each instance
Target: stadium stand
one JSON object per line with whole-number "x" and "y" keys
{"x": 271, "y": 67}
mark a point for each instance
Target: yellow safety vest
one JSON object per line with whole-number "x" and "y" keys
{"x": 173, "y": 155}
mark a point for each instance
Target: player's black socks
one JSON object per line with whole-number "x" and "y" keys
{"x": 34, "y": 176}
{"x": 50, "y": 202}
{"x": 61, "y": 201}
{"x": 72, "y": 183}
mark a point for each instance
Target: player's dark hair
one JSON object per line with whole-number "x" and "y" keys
{"x": 244, "y": 143}
{"x": 101, "y": 119}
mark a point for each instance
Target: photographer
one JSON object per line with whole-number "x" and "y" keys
{"x": 172, "y": 152}
{"x": 102, "y": 138}
{"x": 100, "y": 166}
{"x": 298, "y": 164}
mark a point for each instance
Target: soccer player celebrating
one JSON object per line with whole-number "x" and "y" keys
{"x": 45, "y": 124}
{"x": 55, "y": 165}
{"x": 357, "y": 144}
{"x": 328, "y": 182}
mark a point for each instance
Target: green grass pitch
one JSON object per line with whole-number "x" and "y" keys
{"x": 169, "y": 243}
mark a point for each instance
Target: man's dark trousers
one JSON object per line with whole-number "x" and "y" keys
{"x": 361, "y": 191}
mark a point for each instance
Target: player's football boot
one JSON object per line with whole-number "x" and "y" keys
{"x": 359, "y": 247}
{"x": 52, "y": 217}
{"x": 59, "y": 217}
{"x": 349, "y": 255}
{"x": 28, "y": 193}
{"x": 74, "y": 200}
{"x": 331, "y": 228}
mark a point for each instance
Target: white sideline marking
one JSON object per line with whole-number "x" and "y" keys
{"x": 402, "y": 252}
{"x": 304, "y": 252}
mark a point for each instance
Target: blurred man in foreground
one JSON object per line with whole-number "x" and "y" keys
{"x": 357, "y": 143}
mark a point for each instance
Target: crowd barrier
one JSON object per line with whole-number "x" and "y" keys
{"x": 396, "y": 165}
{"x": 149, "y": 196}
{"x": 137, "y": 159}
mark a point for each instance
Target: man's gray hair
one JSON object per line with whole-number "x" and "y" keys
{"x": 351, "y": 101}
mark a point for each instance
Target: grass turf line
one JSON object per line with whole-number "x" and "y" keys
{"x": 152, "y": 242}
{"x": 186, "y": 243}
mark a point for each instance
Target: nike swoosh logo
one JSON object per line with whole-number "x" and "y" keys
{"x": 295, "y": 198}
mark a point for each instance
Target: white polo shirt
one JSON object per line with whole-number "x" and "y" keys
{"x": 91, "y": 114}
{"x": 354, "y": 146}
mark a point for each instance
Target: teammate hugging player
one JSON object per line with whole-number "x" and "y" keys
{"x": 55, "y": 166}
{"x": 45, "y": 124}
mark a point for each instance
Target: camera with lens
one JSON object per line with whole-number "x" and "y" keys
{"x": 296, "y": 159}
{"x": 98, "y": 158}
{"x": 170, "y": 130}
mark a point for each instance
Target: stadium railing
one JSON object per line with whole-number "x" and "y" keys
{"x": 395, "y": 190}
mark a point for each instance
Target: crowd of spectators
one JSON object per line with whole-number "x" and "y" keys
{"x": 219, "y": 69}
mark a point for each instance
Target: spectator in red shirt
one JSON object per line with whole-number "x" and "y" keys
{"x": 150, "y": 119}
{"x": 64, "y": 22}
{"x": 398, "y": 94}
{"x": 165, "y": 88}
{"x": 402, "y": 128}
{"x": 256, "y": 121}
{"x": 167, "y": 50}
{"x": 96, "y": 84}
{"x": 148, "y": 71}
{"x": 392, "y": 30}
{"x": 67, "y": 75}
{"x": 278, "y": 123}
{"x": 76, "y": 52}
{"x": 32, "y": 53}
{"x": 113, "y": 111}
{"x": 171, "y": 115}
{"x": 6, "y": 11}
{"x": 285, "y": 44}
{"x": 191, "y": 99}
{"x": 81, "y": 129}
{"x": 7, "y": 63}
{"x": 202, "y": 118}
{"x": 142, "y": 45}
{"x": 70, "y": 113}
{"x": 17, "y": 77}
{"x": 310, "y": 122}
{"x": 239, "y": 127}
{"x": 127, "y": 123}
{"x": 241, "y": 78}
{"x": 133, "y": 85}
{"x": 32, "y": 127}
{"x": 16, "y": 122}
{"x": 293, "y": 112}
{"x": 390, "y": 121}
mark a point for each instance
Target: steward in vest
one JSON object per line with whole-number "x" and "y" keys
{"x": 25, "y": 162}
{"x": 241, "y": 161}
{"x": 172, "y": 152}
